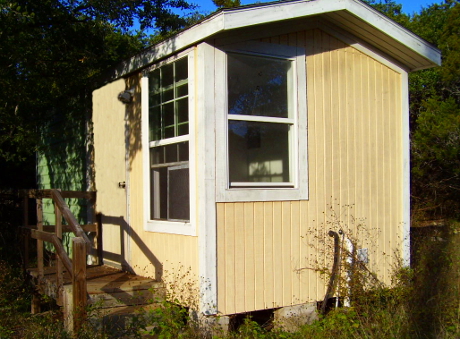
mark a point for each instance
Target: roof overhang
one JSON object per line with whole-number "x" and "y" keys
{"x": 353, "y": 16}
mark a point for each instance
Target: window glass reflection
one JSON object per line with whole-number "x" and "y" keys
{"x": 258, "y": 85}
{"x": 258, "y": 152}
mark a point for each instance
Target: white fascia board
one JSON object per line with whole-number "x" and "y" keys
{"x": 279, "y": 11}
{"x": 394, "y": 30}
{"x": 178, "y": 42}
{"x": 230, "y": 19}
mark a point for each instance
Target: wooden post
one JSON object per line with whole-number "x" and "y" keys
{"x": 25, "y": 234}
{"x": 35, "y": 306}
{"x": 99, "y": 238}
{"x": 79, "y": 282}
{"x": 40, "y": 264}
{"x": 59, "y": 266}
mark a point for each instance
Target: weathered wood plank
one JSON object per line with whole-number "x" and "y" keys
{"x": 60, "y": 251}
{"x": 65, "y": 228}
{"x": 25, "y": 235}
{"x": 69, "y": 217}
{"x": 39, "y": 241}
{"x": 59, "y": 264}
{"x": 79, "y": 282}
{"x": 48, "y": 194}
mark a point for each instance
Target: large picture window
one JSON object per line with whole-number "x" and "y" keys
{"x": 260, "y": 105}
{"x": 260, "y": 120}
{"x": 168, "y": 142}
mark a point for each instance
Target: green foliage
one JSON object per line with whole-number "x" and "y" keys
{"x": 169, "y": 321}
{"x": 52, "y": 50}
{"x": 436, "y": 151}
{"x": 391, "y": 9}
{"x": 226, "y": 3}
{"x": 434, "y": 112}
{"x": 13, "y": 290}
{"x": 435, "y": 297}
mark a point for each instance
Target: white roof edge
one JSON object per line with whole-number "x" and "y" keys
{"x": 396, "y": 31}
{"x": 229, "y": 19}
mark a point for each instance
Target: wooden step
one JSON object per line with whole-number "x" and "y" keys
{"x": 123, "y": 289}
{"x": 117, "y": 322}
{"x": 106, "y": 286}
{"x": 113, "y": 293}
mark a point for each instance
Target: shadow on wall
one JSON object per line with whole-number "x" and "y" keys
{"x": 133, "y": 134}
{"x": 125, "y": 229}
{"x": 133, "y": 131}
{"x": 63, "y": 155}
{"x": 63, "y": 159}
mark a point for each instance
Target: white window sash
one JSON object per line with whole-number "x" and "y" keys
{"x": 169, "y": 141}
{"x": 261, "y": 184}
{"x": 297, "y": 188}
{"x": 183, "y": 227}
{"x": 260, "y": 118}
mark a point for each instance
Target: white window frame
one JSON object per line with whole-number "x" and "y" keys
{"x": 169, "y": 226}
{"x": 298, "y": 185}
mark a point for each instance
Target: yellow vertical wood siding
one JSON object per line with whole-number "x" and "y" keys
{"x": 109, "y": 144}
{"x": 268, "y": 251}
{"x": 171, "y": 257}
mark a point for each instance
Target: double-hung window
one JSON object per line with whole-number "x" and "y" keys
{"x": 260, "y": 120}
{"x": 265, "y": 123}
{"x": 168, "y": 114}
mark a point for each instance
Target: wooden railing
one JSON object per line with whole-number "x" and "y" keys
{"x": 81, "y": 244}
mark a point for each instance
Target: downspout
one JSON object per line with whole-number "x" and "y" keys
{"x": 335, "y": 269}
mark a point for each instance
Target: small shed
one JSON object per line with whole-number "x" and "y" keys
{"x": 240, "y": 142}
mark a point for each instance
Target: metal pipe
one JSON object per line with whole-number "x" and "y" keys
{"x": 335, "y": 268}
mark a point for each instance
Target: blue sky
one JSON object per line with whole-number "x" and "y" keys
{"x": 409, "y": 6}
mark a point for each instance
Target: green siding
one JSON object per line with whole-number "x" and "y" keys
{"x": 62, "y": 164}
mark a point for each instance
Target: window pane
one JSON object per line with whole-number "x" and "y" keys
{"x": 154, "y": 81}
{"x": 171, "y": 153}
{"x": 167, "y": 75}
{"x": 168, "y": 120}
{"x": 155, "y": 123}
{"x": 179, "y": 196}
{"x": 258, "y": 85}
{"x": 155, "y": 99}
{"x": 168, "y": 95}
{"x": 181, "y": 90}
{"x": 182, "y": 129}
{"x": 157, "y": 156}
{"x": 183, "y": 151}
{"x": 159, "y": 189}
{"x": 181, "y": 69}
{"x": 182, "y": 110}
{"x": 258, "y": 152}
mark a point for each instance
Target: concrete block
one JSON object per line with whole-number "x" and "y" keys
{"x": 215, "y": 325}
{"x": 291, "y": 318}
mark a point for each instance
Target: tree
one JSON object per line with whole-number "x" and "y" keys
{"x": 435, "y": 116}
{"x": 51, "y": 50}
{"x": 434, "y": 110}
{"x": 226, "y": 3}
